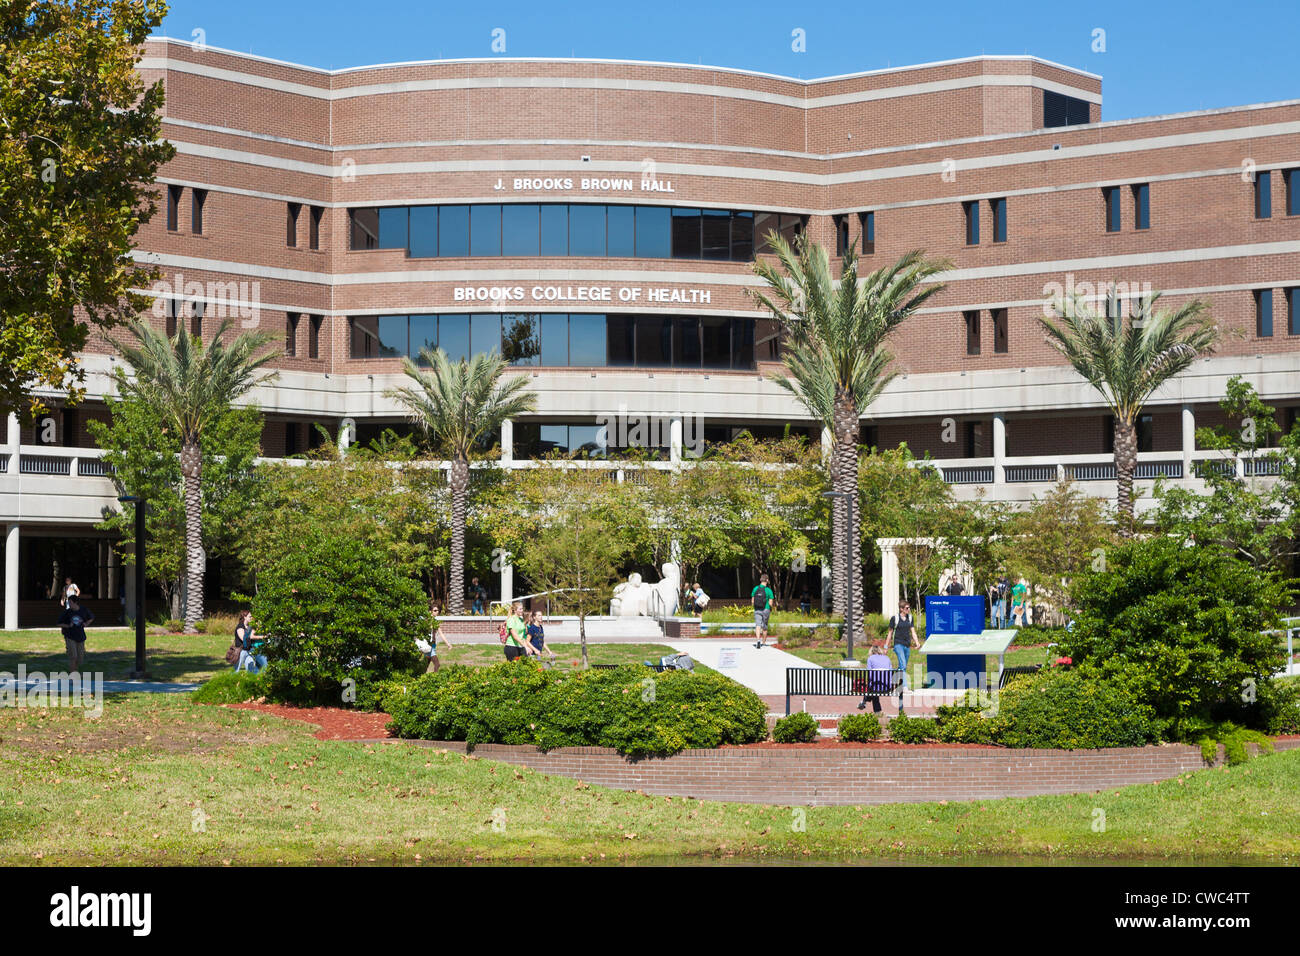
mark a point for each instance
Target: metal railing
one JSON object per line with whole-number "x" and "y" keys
{"x": 44, "y": 465}
{"x": 1019, "y": 473}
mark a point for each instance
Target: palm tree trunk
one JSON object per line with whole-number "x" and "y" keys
{"x": 192, "y": 475}
{"x": 845, "y": 481}
{"x": 839, "y": 513}
{"x": 1125, "y": 466}
{"x": 459, "y": 493}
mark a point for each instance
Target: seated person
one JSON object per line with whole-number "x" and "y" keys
{"x": 249, "y": 645}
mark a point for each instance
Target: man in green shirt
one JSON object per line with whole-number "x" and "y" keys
{"x": 517, "y": 644}
{"x": 762, "y": 599}
{"x": 1018, "y": 595}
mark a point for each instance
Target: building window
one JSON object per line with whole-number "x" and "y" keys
{"x": 1110, "y": 196}
{"x": 196, "y": 319}
{"x": 1114, "y": 308}
{"x": 173, "y": 207}
{"x": 313, "y": 234}
{"x": 1263, "y": 195}
{"x": 1142, "y": 206}
{"x": 1291, "y": 178}
{"x": 173, "y": 312}
{"x": 999, "y": 330}
{"x": 290, "y": 438}
{"x": 1264, "y": 313}
{"x": 974, "y": 435}
{"x": 972, "y": 212}
{"x": 291, "y": 224}
{"x": 197, "y": 198}
{"x": 841, "y": 234}
{"x": 291, "y": 334}
{"x": 313, "y": 336}
{"x": 1062, "y": 110}
{"x": 1145, "y": 433}
{"x": 1293, "y": 311}
{"x": 868, "y": 225}
{"x": 999, "y": 209}
{"x": 972, "y": 319}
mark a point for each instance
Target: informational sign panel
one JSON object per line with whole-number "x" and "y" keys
{"x": 953, "y": 615}
{"x": 728, "y": 657}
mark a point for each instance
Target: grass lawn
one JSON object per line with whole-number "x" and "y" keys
{"x": 171, "y": 657}
{"x": 158, "y": 780}
{"x": 567, "y": 656}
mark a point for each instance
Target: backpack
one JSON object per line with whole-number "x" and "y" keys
{"x": 501, "y": 632}
{"x": 760, "y": 598}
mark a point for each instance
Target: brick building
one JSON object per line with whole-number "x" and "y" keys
{"x": 597, "y": 220}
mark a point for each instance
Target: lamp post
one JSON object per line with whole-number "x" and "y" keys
{"x": 849, "y": 660}
{"x": 139, "y": 673}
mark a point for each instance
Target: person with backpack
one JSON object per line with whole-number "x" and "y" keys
{"x": 73, "y": 623}
{"x": 1003, "y": 595}
{"x": 761, "y": 597}
{"x": 902, "y": 636}
{"x": 477, "y": 595}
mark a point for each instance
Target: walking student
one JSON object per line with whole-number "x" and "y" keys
{"x": 477, "y": 596}
{"x": 1019, "y": 593}
{"x": 902, "y": 636}
{"x": 761, "y": 597}
{"x": 431, "y": 658}
{"x": 515, "y": 635}
{"x": 70, "y": 589}
{"x": 248, "y": 644}
{"x": 73, "y": 623}
{"x": 537, "y": 635}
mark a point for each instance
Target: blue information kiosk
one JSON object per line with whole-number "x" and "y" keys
{"x": 957, "y": 643}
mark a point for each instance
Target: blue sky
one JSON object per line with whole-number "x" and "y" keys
{"x": 1159, "y": 57}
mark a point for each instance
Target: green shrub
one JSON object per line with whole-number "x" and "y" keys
{"x": 1234, "y": 740}
{"x": 1072, "y": 710}
{"x": 174, "y": 626}
{"x": 635, "y": 711}
{"x": 798, "y": 728}
{"x": 337, "y": 611}
{"x": 1037, "y": 634}
{"x": 859, "y": 728}
{"x": 912, "y": 730}
{"x": 796, "y": 636}
{"x": 1279, "y": 706}
{"x": 967, "y": 727}
{"x": 1180, "y": 625}
{"x": 230, "y": 687}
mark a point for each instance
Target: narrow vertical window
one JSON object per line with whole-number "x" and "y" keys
{"x": 999, "y": 330}
{"x": 173, "y": 310}
{"x": 196, "y": 319}
{"x": 313, "y": 337}
{"x": 1263, "y": 195}
{"x": 999, "y": 209}
{"x": 197, "y": 198}
{"x": 972, "y": 319}
{"x": 1142, "y": 206}
{"x": 173, "y": 207}
{"x": 291, "y": 224}
{"x": 972, "y": 211}
{"x": 313, "y": 234}
{"x": 1264, "y": 313}
{"x": 1292, "y": 179}
{"x": 841, "y": 234}
{"x": 868, "y": 233}
{"x": 1110, "y": 196}
{"x": 291, "y": 334}
{"x": 1293, "y": 311}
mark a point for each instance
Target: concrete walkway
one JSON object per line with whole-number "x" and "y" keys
{"x": 9, "y": 685}
{"x": 760, "y": 669}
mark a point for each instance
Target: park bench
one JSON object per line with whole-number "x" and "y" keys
{"x": 842, "y": 682}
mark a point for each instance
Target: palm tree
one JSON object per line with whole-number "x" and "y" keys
{"x": 191, "y": 384}
{"x": 836, "y": 363}
{"x": 1126, "y": 361}
{"x": 454, "y": 406}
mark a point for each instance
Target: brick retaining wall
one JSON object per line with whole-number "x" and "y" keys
{"x": 855, "y": 776}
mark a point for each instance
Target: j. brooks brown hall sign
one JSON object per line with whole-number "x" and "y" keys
{"x": 534, "y": 184}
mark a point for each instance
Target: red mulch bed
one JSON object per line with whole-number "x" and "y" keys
{"x": 335, "y": 723}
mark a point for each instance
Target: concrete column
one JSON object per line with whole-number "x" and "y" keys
{"x": 14, "y": 441}
{"x": 999, "y": 448}
{"x": 1189, "y": 439}
{"x": 675, "y": 439}
{"x": 827, "y": 441}
{"x": 507, "y": 582}
{"x": 507, "y": 442}
{"x": 11, "y": 574}
{"x": 889, "y": 589}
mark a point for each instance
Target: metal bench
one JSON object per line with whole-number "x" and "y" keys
{"x": 842, "y": 682}
{"x": 1010, "y": 672}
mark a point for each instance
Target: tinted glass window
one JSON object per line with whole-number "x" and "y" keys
{"x": 587, "y": 441}
{"x": 485, "y": 230}
{"x": 365, "y": 336}
{"x": 392, "y": 336}
{"x": 717, "y": 233}
{"x": 453, "y": 231}
{"x": 742, "y": 343}
{"x": 791, "y": 227}
{"x": 520, "y": 343}
{"x": 686, "y": 341}
{"x": 392, "y": 227}
{"x": 453, "y": 336}
{"x": 686, "y": 233}
{"x": 424, "y": 231}
{"x": 653, "y": 232}
{"x": 364, "y": 229}
{"x": 764, "y": 223}
{"x": 1263, "y": 195}
{"x": 1142, "y": 206}
{"x": 1264, "y": 312}
{"x": 764, "y": 333}
{"x": 424, "y": 334}
{"x": 555, "y": 340}
{"x": 520, "y": 233}
{"x": 555, "y": 230}
{"x": 716, "y": 334}
{"x": 587, "y": 340}
{"x": 553, "y": 438}
{"x": 742, "y": 237}
{"x": 485, "y": 335}
{"x": 654, "y": 340}
{"x": 621, "y": 329}
{"x": 586, "y": 230}
{"x": 621, "y": 230}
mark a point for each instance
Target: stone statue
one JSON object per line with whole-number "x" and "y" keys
{"x": 635, "y": 598}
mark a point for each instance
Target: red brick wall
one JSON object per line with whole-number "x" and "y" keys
{"x": 854, "y": 776}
